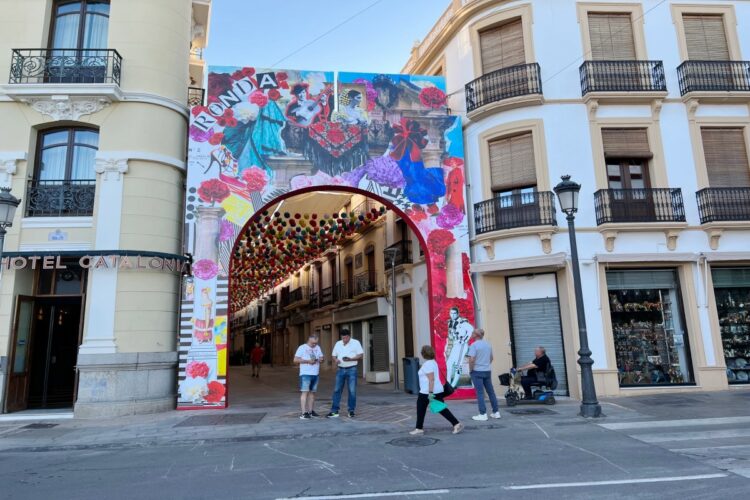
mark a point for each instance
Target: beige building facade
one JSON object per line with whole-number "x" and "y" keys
{"x": 93, "y": 141}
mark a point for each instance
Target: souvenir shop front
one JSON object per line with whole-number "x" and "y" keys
{"x": 648, "y": 325}
{"x": 732, "y": 293}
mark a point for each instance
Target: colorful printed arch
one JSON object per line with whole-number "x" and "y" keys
{"x": 265, "y": 135}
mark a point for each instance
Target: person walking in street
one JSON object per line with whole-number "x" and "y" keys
{"x": 308, "y": 357}
{"x": 480, "y": 369}
{"x": 346, "y": 354}
{"x": 431, "y": 387}
{"x": 256, "y": 359}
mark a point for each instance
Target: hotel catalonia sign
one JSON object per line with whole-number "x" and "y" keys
{"x": 134, "y": 262}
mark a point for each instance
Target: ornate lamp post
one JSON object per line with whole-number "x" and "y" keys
{"x": 8, "y": 205}
{"x": 567, "y": 193}
{"x": 391, "y": 253}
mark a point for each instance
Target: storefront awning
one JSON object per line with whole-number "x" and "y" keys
{"x": 555, "y": 260}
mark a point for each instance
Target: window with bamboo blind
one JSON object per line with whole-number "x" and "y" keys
{"x": 512, "y": 163}
{"x": 626, "y": 143}
{"x": 706, "y": 37}
{"x": 502, "y": 46}
{"x": 725, "y": 152}
{"x": 611, "y": 37}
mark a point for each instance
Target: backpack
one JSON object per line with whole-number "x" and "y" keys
{"x": 551, "y": 377}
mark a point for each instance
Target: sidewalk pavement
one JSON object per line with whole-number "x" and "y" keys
{"x": 268, "y": 408}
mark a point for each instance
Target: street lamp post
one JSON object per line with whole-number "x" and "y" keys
{"x": 391, "y": 253}
{"x": 567, "y": 193}
{"x": 8, "y": 205}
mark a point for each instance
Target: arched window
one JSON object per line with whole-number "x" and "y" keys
{"x": 64, "y": 177}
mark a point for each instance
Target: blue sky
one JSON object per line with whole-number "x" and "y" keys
{"x": 260, "y": 33}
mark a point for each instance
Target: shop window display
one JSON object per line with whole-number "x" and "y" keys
{"x": 651, "y": 346}
{"x": 732, "y": 291}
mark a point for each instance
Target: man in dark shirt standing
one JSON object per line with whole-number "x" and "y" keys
{"x": 536, "y": 370}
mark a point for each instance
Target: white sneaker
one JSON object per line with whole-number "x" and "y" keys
{"x": 482, "y": 417}
{"x": 495, "y": 415}
{"x": 458, "y": 428}
{"x": 417, "y": 432}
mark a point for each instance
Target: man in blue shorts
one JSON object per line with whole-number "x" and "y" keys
{"x": 308, "y": 357}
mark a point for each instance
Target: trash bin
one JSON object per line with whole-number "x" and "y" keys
{"x": 411, "y": 375}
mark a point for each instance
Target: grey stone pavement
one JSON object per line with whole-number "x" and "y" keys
{"x": 694, "y": 445}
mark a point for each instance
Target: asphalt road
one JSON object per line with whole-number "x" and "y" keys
{"x": 518, "y": 457}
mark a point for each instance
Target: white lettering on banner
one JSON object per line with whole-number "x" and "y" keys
{"x": 98, "y": 262}
{"x": 240, "y": 89}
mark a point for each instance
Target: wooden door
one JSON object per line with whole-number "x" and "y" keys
{"x": 18, "y": 375}
{"x": 631, "y": 199}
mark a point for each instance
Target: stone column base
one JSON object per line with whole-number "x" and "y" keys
{"x": 119, "y": 384}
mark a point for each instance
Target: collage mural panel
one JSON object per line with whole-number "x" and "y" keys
{"x": 263, "y": 134}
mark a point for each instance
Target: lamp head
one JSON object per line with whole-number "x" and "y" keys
{"x": 567, "y": 193}
{"x": 8, "y": 205}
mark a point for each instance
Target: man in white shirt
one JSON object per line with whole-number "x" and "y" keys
{"x": 346, "y": 353}
{"x": 308, "y": 357}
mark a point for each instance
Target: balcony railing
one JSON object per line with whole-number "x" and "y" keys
{"x": 344, "y": 290}
{"x": 65, "y": 66}
{"x": 326, "y": 296}
{"x": 403, "y": 254}
{"x": 639, "y": 205}
{"x": 60, "y": 198}
{"x": 314, "y": 299}
{"x": 366, "y": 207}
{"x": 517, "y": 210}
{"x": 297, "y": 295}
{"x": 365, "y": 282}
{"x": 195, "y": 96}
{"x": 714, "y": 76}
{"x": 515, "y": 81}
{"x": 724, "y": 204}
{"x": 622, "y": 76}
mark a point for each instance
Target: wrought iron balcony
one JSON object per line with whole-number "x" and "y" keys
{"x": 622, "y": 76}
{"x": 724, "y": 204}
{"x": 65, "y": 66}
{"x": 326, "y": 296}
{"x": 365, "y": 282}
{"x": 196, "y": 96}
{"x": 297, "y": 295}
{"x": 403, "y": 254}
{"x": 314, "y": 299}
{"x": 344, "y": 290}
{"x": 516, "y": 210}
{"x": 639, "y": 205}
{"x": 60, "y": 198}
{"x": 515, "y": 81}
{"x": 714, "y": 76}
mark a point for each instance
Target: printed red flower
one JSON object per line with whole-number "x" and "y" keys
{"x": 213, "y": 190}
{"x": 453, "y": 161}
{"x": 196, "y": 369}
{"x": 216, "y": 139}
{"x": 336, "y": 136}
{"x": 237, "y": 75}
{"x": 259, "y": 98}
{"x": 248, "y": 72}
{"x": 226, "y": 118}
{"x": 274, "y": 94}
{"x": 284, "y": 84}
{"x": 255, "y": 178}
{"x": 439, "y": 240}
{"x": 281, "y": 75}
{"x": 216, "y": 391}
{"x": 205, "y": 269}
{"x": 432, "y": 97}
{"x": 196, "y": 110}
{"x": 218, "y": 83}
{"x": 416, "y": 214}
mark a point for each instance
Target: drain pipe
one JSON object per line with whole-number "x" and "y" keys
{"x": 472, "y": 235}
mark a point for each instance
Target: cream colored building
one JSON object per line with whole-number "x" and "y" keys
{"x": 646, "y": 105}
{"x": 93, "y": 140}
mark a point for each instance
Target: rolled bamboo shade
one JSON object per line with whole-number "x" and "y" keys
{"x": 726, "y": 157}
{"x": 705, "y": 37}
{"x": 512, "y": 162}
{"x": 611, "y": 37}
{"x": 502, "y": 46}
{"x": 626, "y": 143}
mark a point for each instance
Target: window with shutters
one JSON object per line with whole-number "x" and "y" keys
{"x": 611, "y": 37}
{"x": 626, "y": 155}
{"x": 705, "y": 37}
{"x": 725, "y": 152}
{"x": 512, "y": 164}
{"x": 502, "y": 46}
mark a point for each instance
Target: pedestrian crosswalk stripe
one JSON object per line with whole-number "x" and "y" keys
{"x": 613, "y": 482}
{"x": 688, "y": 422}
{"x": 664, "y": 437}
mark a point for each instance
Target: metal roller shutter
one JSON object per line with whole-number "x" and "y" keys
{"x": 537, "y": 322}
{"x": 379, "y": 344}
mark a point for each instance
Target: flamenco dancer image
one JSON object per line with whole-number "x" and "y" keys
{"x": 459, "y": 333}
{"x": 203, "y": 331}
{"x": 423, "y": 185}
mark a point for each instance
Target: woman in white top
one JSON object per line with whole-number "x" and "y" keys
{"x": 431, "y": 387}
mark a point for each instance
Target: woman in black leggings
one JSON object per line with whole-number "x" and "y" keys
{"x": 431, "y": 387}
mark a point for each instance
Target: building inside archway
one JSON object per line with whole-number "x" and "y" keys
{"x": 321, "y": 262}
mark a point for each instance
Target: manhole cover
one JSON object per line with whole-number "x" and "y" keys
{"x": 413, "y": 442}
{"x": 39, "y": 426}
{"x": 532, "y": 411}
{"x": 226, "y": 419}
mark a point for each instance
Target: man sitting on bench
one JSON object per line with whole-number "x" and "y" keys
{"x": 536, "y": 371}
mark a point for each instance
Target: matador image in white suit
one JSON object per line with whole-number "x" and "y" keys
{"x": 459, "y": 333}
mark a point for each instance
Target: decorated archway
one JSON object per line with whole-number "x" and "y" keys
{"x": 269, "y": 134}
